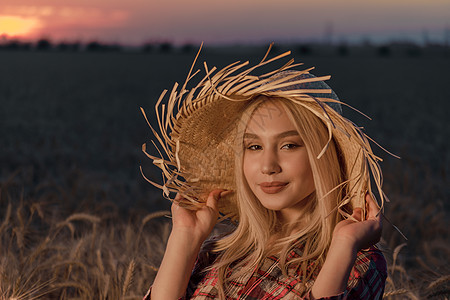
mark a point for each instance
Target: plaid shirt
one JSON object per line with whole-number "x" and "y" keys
{"x": 366, "y": 280}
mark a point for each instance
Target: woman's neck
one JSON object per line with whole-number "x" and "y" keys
{"x": 293, "y": 216}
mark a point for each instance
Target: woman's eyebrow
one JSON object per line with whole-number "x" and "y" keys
{"x": 288, "y": 133}
{"x": 249, "y": 135}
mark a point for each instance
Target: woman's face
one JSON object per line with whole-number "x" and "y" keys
{"x": 276, "y": 164}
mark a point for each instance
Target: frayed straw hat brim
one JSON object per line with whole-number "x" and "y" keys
{"x": 197, "y": 129}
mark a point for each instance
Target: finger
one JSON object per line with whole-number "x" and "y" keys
{"x": 372, "y": 207}
{"x": 213, "y": 198}
{"x": 174, "y": 206}
{"x": 178, "y": 197}
{"x": 357, "y": 213}
{"x": 225, "y": 193}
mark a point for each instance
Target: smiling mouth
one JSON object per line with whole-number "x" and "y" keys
{"x": 272, "y": 187}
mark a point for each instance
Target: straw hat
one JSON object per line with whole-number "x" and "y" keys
{"x": 197, "y": 129}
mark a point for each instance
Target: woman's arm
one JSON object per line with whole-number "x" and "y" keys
{"x": 348, "y": 238}
{"x": 189, "y": 231}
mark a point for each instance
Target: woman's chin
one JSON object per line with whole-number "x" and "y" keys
{"x": 273, "y": 206}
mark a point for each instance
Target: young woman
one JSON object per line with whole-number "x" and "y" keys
{"x": 273, "y": 154}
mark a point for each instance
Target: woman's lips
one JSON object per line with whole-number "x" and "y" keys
{"x": 272, "y": 187}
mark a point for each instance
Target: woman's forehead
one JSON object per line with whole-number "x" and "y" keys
{"x": 269, "y": 118}
{"x": 269, "y": 108}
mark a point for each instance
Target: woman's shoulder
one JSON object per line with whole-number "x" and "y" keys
{"x": 369, "y": 274}
{"x": 208, "y": 253}
{"x": 371, "y": 259}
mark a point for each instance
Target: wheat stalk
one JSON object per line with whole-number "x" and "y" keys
{"x": 400, "y": 292}
{"x": 83, "y": 217}
{"x": 128, "y": 277}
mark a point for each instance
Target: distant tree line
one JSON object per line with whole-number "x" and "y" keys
{"x": 93, "y": 46}
{"x": 47, "y": 45}
{"x": 305, "y": 49}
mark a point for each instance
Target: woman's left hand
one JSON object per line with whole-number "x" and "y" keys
{"x": 363, "y": 234}
{"x": 349, "y": 237}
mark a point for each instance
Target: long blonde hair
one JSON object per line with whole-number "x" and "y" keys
{"x": 248, "y": 245}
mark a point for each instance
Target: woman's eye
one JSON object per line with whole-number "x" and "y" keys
{"x": 253, "y": 147}
{"x": 289, "y": 146}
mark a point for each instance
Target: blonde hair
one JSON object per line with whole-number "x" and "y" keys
{"x": 247, "y": 246}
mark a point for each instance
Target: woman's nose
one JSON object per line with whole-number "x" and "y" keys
{"x": 270, "y": 164}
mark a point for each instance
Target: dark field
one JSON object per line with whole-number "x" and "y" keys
{"x": 70, "y": 149}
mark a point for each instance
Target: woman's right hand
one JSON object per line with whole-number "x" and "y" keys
{"x": 198, "y": 223}
{"x": 189, "y": 231}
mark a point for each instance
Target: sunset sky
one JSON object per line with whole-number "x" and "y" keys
{"x": 230, "y": 21}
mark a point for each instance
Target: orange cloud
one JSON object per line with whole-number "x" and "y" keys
{"x": 17, "y": 26}
{"x": 28, "y": 10}
{"x": 69, "y": 14}
{"x": 90, "y": 17}
{"x": 59, "y": 22}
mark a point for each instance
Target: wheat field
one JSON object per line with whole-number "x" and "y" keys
{"x": 77, "y": 220}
